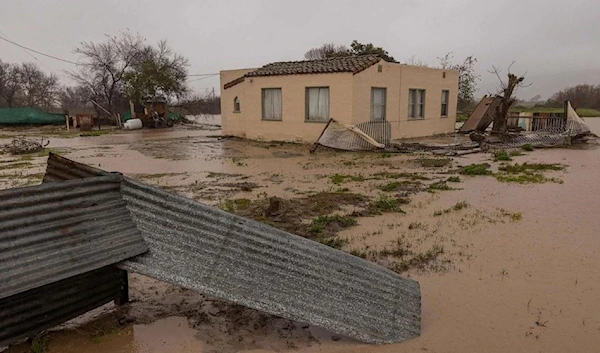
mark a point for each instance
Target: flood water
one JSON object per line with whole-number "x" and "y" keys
{"x": 526, "y": 283}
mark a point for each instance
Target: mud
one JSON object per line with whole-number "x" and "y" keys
{"x": 515, "y": 268}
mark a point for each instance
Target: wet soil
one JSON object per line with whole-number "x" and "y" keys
{"x": 503, "y": 266}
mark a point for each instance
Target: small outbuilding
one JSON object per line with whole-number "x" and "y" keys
{"x": 292, "y": 101}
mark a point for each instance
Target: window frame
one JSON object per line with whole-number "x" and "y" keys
{"x": 237, "y": 107}
{"x": 412, "y": 103}
{"x": 445, "y": 94}
{"x": 307, "y": 104}
{"x": 262, "y": 103}
{"x": 384, "y": 103}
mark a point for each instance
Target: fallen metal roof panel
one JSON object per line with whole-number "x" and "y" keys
{"x": 246, "y": 262}
{"x": 26, "y": 314}
{"x": 54, "y": 231}
{"x": 482, "y": 116}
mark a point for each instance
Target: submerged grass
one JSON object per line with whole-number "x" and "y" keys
{"x": 526, "y": 167}
{"x": 501, "y": 155}
{"x": 476, "y": 169}
{"x": 320, "y": 223}
{"x": 440, "y": 185}
{"x": 384, "y": 203}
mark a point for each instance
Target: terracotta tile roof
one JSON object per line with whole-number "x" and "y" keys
{"x": 353, "y": 64}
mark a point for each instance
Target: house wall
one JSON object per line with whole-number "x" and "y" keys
{"x": 433, "y": 81}
{"x": 293, "y": 126}
{"x": 388, "y": 78}
{"x": 350, "y": 101}
{"x": 233, "y": 124}
{"x": 398, "y": 79}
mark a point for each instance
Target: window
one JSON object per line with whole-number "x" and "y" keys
{"x": 271, "y": 103}
{"x": 317, "y": 104}
{"x": 416, "y": 104}
{"x": 236, "y": 105}
{"x": 378, "y": 97}
{"x": 445, "y": 98}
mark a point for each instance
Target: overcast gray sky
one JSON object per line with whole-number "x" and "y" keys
{"x": 556, "y": 42}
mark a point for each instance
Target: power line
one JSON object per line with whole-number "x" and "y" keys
{"x": 203, "y": 78}
{"x": 39, "y": 52}
{"x": 81, "y": 64}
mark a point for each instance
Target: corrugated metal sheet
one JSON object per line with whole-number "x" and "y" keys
{"x": 252, "y": 264}
{"x": 54, "y": 231}
{"x": 26, "y": 314}
{"x": 482, "y": 116}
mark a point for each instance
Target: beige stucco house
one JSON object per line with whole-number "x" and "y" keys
{"x": 292, "y": 101}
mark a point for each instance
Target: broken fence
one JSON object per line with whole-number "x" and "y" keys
{"x": 232, "y": 258}
{"x": 370, "y": 135}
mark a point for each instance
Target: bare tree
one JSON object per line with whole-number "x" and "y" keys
{"x": 10, "y": 76}
{"x": 38, "y": 89}
{"x": 506, "y": 90}
{"x": 105, "y": 64}
{"x": 325, "y": 51}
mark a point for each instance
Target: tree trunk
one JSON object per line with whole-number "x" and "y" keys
{"x": 501, "y": 116}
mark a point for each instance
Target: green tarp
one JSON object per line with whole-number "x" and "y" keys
{"x": 29, "y": 116}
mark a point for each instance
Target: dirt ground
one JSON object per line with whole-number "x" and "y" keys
{"x": 503, "y": 265}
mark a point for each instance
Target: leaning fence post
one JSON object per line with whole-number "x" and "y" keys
{"x": 316, "y": 144}
{"x": 123, "y": 296}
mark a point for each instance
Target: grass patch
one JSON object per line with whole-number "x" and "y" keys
{"x": 476, "y": 169}
{"x": 457, "y": 207}
{"x": 232, "y": 205}
{"x": 420, "y": 260}
{"x": 399, "y": 249}
{"x": 526, "y": 178}
{"x": 18, "y": 165}
{"x": 358, "y": 253}
{"x": 454, "y": 179}
{"x": 320, "y": 223}
{"x": 516, "y": 153}
{"x": 433, "y": 162}
{"x": 517, "y": 216}
{"x": 416, "y": 225}
{"x": 341, "y": 178}
{"x": 39, "y": 344}
{"x": 527, "y": 147}
{"x": 411, "y": 176}
{"x": 384, "y": 203}
{"x": 386, "y": 155}
{"x": 440, "y": 185}
{"x": 460, "y": 205}
{"x": 390, "y": 186}
{"x": 526, "y": 167}
{"x": 501, "y": 155}
{"x": 333, "y": 242}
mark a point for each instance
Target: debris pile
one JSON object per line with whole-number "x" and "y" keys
{"x": 21, "y": 145}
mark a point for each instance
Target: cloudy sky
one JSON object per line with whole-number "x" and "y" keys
{"x": 556, "y": 42}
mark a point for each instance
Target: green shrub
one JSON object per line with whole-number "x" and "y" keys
{"x": 476, "y": 169}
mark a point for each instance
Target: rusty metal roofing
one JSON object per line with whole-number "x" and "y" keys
{"x": 352, "y": 64}
{"x": 54, "y": 231}
{"x": 26, "y": 314}
{"x": 249, "y": 263}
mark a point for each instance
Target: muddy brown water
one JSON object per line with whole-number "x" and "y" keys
{"x": 504, "y": 283}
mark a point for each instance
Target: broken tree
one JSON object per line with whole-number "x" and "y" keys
{"x": 507, "y": 89}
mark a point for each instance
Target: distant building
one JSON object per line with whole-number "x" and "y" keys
{"x": 292, "y": 101}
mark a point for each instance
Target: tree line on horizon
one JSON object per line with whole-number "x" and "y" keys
{"x": 110, "y": 73}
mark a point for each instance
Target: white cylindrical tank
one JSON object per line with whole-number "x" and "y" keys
{"x": 133, "y": 124}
